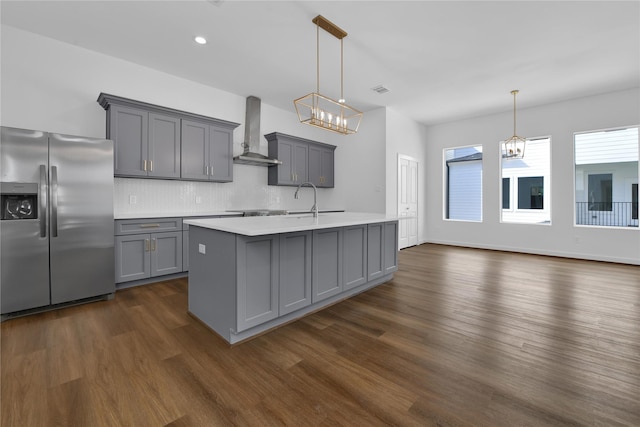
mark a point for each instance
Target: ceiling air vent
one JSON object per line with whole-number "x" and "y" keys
{"x": 380, "y": 89}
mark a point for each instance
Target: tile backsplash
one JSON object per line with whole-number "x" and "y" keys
{"x": 249, "y": 190}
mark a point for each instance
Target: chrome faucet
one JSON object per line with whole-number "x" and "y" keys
{"x": 314, "y": 208}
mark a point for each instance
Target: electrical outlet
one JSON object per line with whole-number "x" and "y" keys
{"x": 198, "y": 200}
{"x": 202, "y": 248}
{"x": 132, "y": 199}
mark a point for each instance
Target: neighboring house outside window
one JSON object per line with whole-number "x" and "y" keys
{"x": 526, "y": 184}
{"x": 463, "y": 182}
{"x": 606, "y": 178}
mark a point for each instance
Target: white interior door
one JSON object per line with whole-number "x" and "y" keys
{"x": 407, "y": 201}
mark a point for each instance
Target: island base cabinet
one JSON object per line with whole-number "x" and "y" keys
{"x": 241, "y": 286}
{"x": 295, "y": 271}
{"x": 258, "y": 280}
{"x": 327, "y": 263}
{"x": 355, "y": 256}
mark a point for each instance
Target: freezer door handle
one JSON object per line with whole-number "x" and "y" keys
{"x": 54, "y": 201}
{"x": 43, "y": 201}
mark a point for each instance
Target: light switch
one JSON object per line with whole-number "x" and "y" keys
{"x": 133, "y": 199}
{"x": 198, "y": 200}
{"x": 202, "y": 248}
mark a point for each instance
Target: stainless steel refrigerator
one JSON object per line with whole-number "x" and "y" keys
{"x": 56, "y": 223}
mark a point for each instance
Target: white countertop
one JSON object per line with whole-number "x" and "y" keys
{"x": 262, "y": 225}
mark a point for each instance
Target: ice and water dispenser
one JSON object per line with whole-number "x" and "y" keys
{"x": 19, "y": 200}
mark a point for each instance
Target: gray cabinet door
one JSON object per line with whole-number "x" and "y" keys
{"x": 327, "y": 167}
{"x": 321, "y": 165}
{"x": 166, "y": 253}
{"x": 295, "y": 271}
{"x": 221, "y": 155}
{"x": 195, "y": 150}
{"x": 300, "y": 164}
{"x": 132, "y": 255}
{"x": 282, "y": 174}
{"x": 128, "y": 128}
{"x": 315, "y": 165}
{"x": 164, "y": 146}
{"x": 390, "y": 247}
{"x": 355, "y": 256}
{"x": 327, "y": 263}
{"x": 257, "y": 280}
{"x": 375, "y": 254}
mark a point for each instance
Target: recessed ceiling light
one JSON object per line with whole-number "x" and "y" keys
{"x": 200, "y": 40}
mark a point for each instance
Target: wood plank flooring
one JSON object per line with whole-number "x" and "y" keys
{"x": 460, "y": 337}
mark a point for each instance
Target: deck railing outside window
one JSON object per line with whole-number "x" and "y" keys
{"x": 607, "y": 214}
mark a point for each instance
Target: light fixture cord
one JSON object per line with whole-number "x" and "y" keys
{"x": 341, "y": 69}
{"x": 317, "y": 58}
{"x": 514, "y": 113}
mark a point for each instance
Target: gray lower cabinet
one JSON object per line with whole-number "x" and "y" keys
{"x": 375, "y": 254}
{"x": 295, "y": 271}
{"x": 327, "y": 264}
{"x": 207, "y": 152}
{"x": 141, "y": 254}
{"x": 390, "y": 245}
{"x": 258, "y": 280}
{"x": 355, "y": 256}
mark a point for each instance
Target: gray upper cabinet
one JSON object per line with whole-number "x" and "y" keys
{"x": 207, "y": 152}
{"x": 164, "y": 146}
{"x": 158, "y": 142}
{"x": 146, "y": 144}
{"x": 321, "y": 159}
{"x": 302, "y": 160}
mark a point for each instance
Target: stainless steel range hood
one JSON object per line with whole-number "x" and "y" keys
{"x": 251, "y": 155}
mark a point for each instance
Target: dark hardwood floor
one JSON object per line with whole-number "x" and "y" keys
{"x": 460, "y": 337}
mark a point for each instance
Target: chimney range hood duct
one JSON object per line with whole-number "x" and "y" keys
{"x": 250, "y": 155}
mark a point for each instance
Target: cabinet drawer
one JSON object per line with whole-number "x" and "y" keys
{"x": 151, "y": 225}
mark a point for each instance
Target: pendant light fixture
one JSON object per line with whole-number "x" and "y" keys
{"x": 513, "y": 148}
{"x": 320, "y": 110}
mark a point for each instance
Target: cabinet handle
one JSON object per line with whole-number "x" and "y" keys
{"x": 146, "y": 245}
{"x": 149, "y": 225}
{"x": 144, "y": 165}
{"x": 150, "y": 165}
{"x": 153, "y": 245}
{"x": 206, "y": 170}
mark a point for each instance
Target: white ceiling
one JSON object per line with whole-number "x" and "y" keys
{"x": 442, "y": 60}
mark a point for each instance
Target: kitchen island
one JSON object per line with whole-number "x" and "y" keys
{"x": 248, "y": 275}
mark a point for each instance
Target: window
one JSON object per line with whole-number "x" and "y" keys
{"x": 606, "y": 178}
{"x": 526, "y": 182}
{"x": 531, "y": 192}
{"x": 506, "y": 193}
{"x": 463, "y": 182}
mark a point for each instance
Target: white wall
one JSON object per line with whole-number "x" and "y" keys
{"x": 404, "y": 136}
{"x": 561, "y": 237}
{"x": 53, "y": 86}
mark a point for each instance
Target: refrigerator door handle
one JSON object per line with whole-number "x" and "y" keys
{"x": 43, "y": 201}
{"x": 54, "y": 201}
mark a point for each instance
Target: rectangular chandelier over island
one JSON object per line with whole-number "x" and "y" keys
{"x": 513, "y": 148}
{"x": 322, "y": 111}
